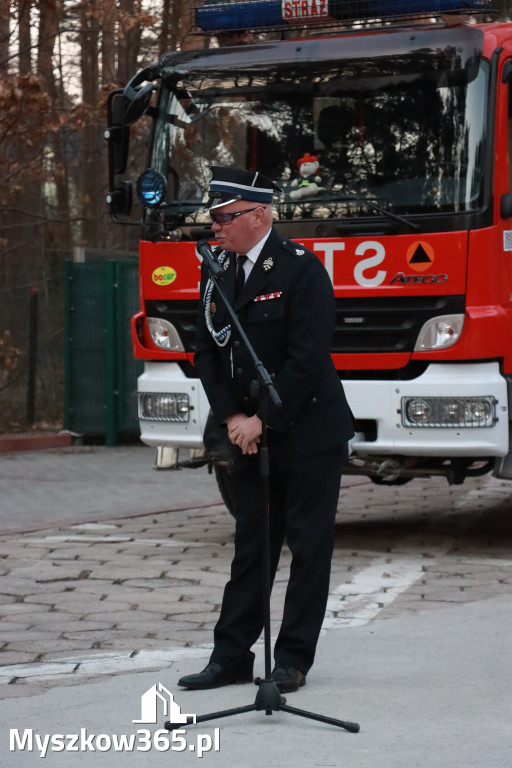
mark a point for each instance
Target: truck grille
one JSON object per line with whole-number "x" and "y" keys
{"x": 384, "y": 324}
{"x": 363, "y": 325}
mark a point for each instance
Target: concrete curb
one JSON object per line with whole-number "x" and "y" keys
{"x": 33, "y": 442}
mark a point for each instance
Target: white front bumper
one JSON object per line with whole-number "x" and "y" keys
{"x": 379, "y": 401}
{"x": 168, "y": 377}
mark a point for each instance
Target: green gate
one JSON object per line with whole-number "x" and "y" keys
{"x": 101, "y": 372}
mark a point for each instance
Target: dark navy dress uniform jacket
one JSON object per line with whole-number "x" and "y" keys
{"x": 287, "y": 310}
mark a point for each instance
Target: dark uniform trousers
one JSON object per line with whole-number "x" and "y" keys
{"x": 287, "y": 309}
{"x": 305, "y": 517}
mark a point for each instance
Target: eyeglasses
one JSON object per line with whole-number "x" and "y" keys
{"x": 227, "y": 218}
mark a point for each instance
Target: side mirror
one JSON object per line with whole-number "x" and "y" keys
{"x": 139, "y": 104}
{"x": 118, "y": 131}
{"x": 506, "y": 76}
{"x": 506, "y": 206}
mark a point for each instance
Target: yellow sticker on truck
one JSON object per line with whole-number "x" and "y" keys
{"x": 164, "y": 275}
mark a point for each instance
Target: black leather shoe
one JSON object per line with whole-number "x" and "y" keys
{"x": 288, "y": 678}
{"x": 214, "y": 676}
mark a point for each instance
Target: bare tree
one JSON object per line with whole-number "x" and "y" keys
{"x": 58, "y": 61}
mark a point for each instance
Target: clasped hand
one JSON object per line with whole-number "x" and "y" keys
{"x": 244, "y": 431}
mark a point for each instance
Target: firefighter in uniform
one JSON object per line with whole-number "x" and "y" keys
{"x": 285, "y": 303}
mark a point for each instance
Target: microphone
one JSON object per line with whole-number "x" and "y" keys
{"x": 204, "y": 250}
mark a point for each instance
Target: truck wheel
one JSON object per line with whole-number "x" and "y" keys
{"x": 223, "y": 476}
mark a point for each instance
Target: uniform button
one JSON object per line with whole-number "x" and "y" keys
{"x": 265, "y": 315}
{"x": 245, "y": 397}
{"x": 313, "y": 400}
{"x": 239, "y": 371}
{"x": 236, "y": 344}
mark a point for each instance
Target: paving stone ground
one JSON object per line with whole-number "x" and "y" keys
{"x": 95, "y": 594}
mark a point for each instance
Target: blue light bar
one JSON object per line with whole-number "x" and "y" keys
{"x": 265, "y": 14}
{"x": 232, "y": 16}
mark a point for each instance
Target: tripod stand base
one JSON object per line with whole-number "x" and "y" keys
{"x": 269, "y": 699}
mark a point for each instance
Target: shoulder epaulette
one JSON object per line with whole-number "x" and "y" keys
{"x": 296, "y": 249}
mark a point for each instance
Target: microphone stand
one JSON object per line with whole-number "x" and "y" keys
{"x": 268, "y": 697}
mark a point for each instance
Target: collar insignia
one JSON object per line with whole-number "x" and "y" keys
{"x": 299, "y": 252}
{"x": 268, "y": 263}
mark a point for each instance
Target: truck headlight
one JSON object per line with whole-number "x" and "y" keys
{"x": 439, "y": 333}
{"x": 164, "y": 406}
{"x": 151, "y": 187}
{"x": 458, "y": 412}
{"x": 164, "y": 334}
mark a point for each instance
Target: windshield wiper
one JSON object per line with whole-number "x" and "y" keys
{"x": 385, "y": 212}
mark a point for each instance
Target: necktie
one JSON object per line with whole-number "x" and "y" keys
{"x": 240, "y": 274}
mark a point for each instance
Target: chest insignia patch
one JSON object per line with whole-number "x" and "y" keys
{"x": 268, "y": 296}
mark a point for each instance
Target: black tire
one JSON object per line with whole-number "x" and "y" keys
{"x": 223, "y": 476}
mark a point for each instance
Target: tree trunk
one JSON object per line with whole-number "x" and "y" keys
{"x": 49, "y": 24}
{"x": 24, "y": 42}
{"x": 4, "y": 36}
{"x": 163, "y": 39}
{"x": 92, "y": 130}
{"x": 129, "y": 40}
{"x": 108, "y": 44}
{"x": 49, "y": 18}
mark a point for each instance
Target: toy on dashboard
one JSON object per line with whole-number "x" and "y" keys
{"x": 307, "y": 185}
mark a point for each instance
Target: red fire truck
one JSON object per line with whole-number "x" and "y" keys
{"x": 392, "y": 141}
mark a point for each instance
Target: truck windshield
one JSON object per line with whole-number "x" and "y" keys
{"x": 411, "y": 142}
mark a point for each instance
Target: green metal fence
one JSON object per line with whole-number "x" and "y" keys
{"x": 101, "y": 372}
